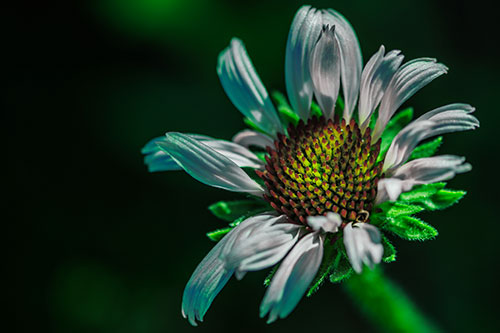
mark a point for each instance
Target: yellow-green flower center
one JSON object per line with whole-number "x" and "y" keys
{"x": 323, "y": 166}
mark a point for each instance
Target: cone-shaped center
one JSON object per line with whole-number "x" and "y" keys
{"x": 323, "y": 166}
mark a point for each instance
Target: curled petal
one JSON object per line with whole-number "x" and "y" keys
{"x": 362, "y": 244}
{"x": 263, "y": 247}
{"x": 449, "y": 118}
{"x": 375, "y": 78}
{"x": 328, "y": 223}
{"x": 351, "y": 59}
{"x": 245, "y": 89}
{"x": 247, "y": 138}
{"x": 325, "y": 71}
{"x": 420, "y": 171}
{"x": 212, "y": 273}
{"x": 293, "y": 277}
{"x": 304, "y": 32}
{"x": 409, "y": 79}
{"x": 207, "y": 165}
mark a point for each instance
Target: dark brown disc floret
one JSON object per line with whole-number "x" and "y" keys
{"x": 323, "y": 166}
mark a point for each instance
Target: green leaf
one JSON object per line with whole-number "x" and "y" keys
{"x": 389, "y": 250}
{"x": 331, "y": 258}
{"x": 390, "y": 209}
{"x": 231, "y": 210}
{"x": 421, "y": 192}
{"x": 285, "y": 111}
{"x": 342, "y": 271}
{"x": 432, "y": 196}
{"x": 410, "y": 228}
{"x": 400, "y": 209}
{"x": 396, "y": 124}
{"x": 216, "y": 235}
{"x": 445, "y": 198}
{"x": 427, "y": 149}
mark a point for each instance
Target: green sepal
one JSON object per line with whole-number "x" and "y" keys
{"x": 427, "y": 149}
{"x": 269, "y": 276}
{"x": 315, "y": 110}
{"x": 342, "y": 271}
{"x": 285, "y": 111}
{"x": 394, "y": 126}
{"x": 409, "y": 228}
{"x": 216, "y": 235}
{"x": 389, "y": 250}
{"x": 253, "y": 126}
{"x": 331, "y": 257}
{"x": 339, "y": 106}
{"x": 261, "y": 155}
{"x": 231, "y": 210}
{"x": 432, "y": 196}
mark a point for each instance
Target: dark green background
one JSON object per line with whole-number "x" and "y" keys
{"x": 101, "y": 245}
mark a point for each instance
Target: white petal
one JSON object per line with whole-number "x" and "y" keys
{"x": 304, "y": 32}
{"x": 207, "y": 165}
{"x": 238, "y": 154}
{"x": 376, "y": 76}
{"x": 389, "y": 189}
{"x": 362, "y": 244}
{"x": 158, "y": 160}
{"x": 449, "y": 118}
{"x": 263, "y": 247}
{"x": 351, "y": 59}
{"x": 249, "y": 138}
{"x": 245, "y": 89}
{"x": 409, "y": 79}
{"x": 325, "y": 71}
{"x": 205, "y": 283}
{"x": 293, "y": 277}
{"x": 212, "y": 273}
{"x": 328, "y": 223}
{"x": 420, "y": 171}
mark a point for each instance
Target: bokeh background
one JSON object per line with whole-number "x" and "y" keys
{"x": 101, "y": 245}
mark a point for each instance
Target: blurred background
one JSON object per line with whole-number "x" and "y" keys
{"x": 101, "y": 245}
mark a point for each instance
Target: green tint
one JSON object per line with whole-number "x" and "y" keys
{"x": 89, "y": 296}
{"x": 385, "y": 304}
{"x": 427, "y": 149}
{"x": 395, "y": 125}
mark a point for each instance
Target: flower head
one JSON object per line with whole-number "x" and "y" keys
{"x": 325, "y": 180}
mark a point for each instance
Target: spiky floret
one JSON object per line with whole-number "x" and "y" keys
{"x": 323, "y": 166}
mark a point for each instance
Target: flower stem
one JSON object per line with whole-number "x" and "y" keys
{"x": 385, "y": 304}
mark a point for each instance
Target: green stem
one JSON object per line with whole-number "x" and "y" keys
{"x": 385, "y": 304}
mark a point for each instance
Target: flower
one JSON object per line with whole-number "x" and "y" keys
{"x": 331, "y": 175}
